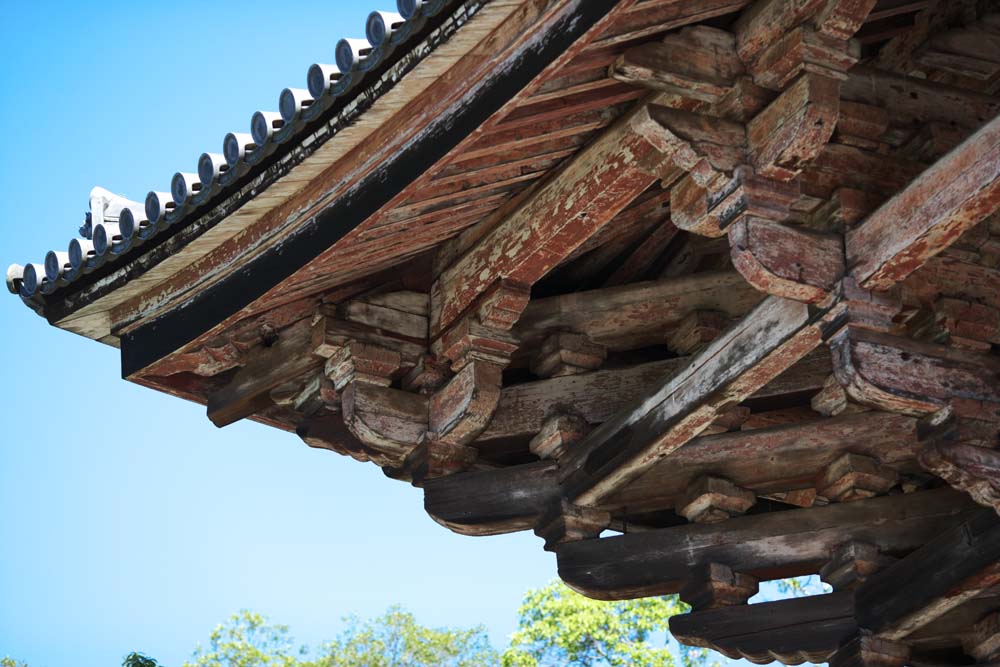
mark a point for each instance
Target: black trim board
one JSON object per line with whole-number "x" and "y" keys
{"x": 162, "y": 336}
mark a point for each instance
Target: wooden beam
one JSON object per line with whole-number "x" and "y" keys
{"x": 768, "y": 546}
{"x": 947, "y": 571}
{"x": 901, "y": 375}
{"x": 298, "y": 350}
{"x": 772, "y": 460}
{"x": 491, "y": 502}
{"x": 557, "y": 217}
{"x": 955, "y": 194}
{"x": 808, "y": 629}
{"x": 766, "y": 342}
{"x": 634, "y": 315}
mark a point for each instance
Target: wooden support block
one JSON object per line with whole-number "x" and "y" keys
{"x": 866, "y": 650}
{"x": 565, "y": 522}
{"x": 841, "y": 19}
{"x": 699, "y": 211}
{"x": 716, "y": 585}
{"x": 967, "y": 325}
{"x": 870, "y": 310}
{"x": 862, "y": 121}
{"x": 963, "y": 454}
{"x": 698, "y": 63}
{"x": 360, "y": 362}
{"x": 852, "y": 563}
{"x": 462, "y": 408}
{"x": 296, "y": 352}
{"x": 855, "y": 477}
{"x": 765, "y": 21}
{"x": 696, "y": 331}
{"x": 793, "y": 129}
{"x": 427, "y": 375}
{"x": 559, "y": 432}
{"x": 957, "y": 193}
{"x": 311, "y": 397}
{"x": 433, "y": 459}
{"x": 983, "y": 643}
{"x": 786, "y": 261}
{"x": 831, "y": 400}
{"x": 803, "y": 50}
{"x": 900, "y": 375}
{"x": 712, "y": 499}
{"x": 743, "y": 101}
{"x": 728, "y": 420}
{"x": 566, "y": 353}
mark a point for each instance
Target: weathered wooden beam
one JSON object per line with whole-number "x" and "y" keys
{"x": 297, "y": 350}
{"x": 768, "y": 546}
{"x": 955, "y": 194}
{"x": 766, "y": 342}
{"x": 808, "y": 629}
{"x": 491, "y": 502}
{"x": 635, "y": 315}
{"x": 557, "y": 217}
{"x": 771, "y": 460}
{"x": 901, "y": 375}
{"x": 948, "y": 570}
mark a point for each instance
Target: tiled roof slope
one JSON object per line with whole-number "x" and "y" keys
{"x": 116, "y": 227}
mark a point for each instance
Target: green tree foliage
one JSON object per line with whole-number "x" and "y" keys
{"x": 558, "y": 626}
{"x": 8, "y": 661}
{"x": 138, "y": 660}
{"x": 247, "y": 640}
{"x": 397, "y": 640}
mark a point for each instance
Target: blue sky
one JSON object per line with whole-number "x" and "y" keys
{"x": 128, "y": 521}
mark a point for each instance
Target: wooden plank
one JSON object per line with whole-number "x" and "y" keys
{"x": 296, "y": 352}
{"x": 637, "y": 314}
{"x": 955, "y": 556}
{"x": 548, "y": 225}
{"x": 955, "y": 194}
{"x": 791, "y": 632}
{"x": 767, "y": 341}
{"x": 768, "y": 546}
{"x": 808, "y": 629}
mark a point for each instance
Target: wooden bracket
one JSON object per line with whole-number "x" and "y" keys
{"x": 390, "y": 421}
{"x": 855, "y": 477}
{"x": 716, "y": 585}
{"x": 565, "y": 353}
{"x": 565, "y": 522}
{"x": 786, "y": 261}
{"x": 900, "y": 375}
{"x": 964, "y": 453}
{"x": 852, "y": 563}
{"x": 794, "y": 128}
{"x": 360, "y": 362}
{"x": 558, "y": 432}
{"x": 712, "y": 499}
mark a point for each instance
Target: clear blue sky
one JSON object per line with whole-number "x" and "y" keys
{"x": 128, "y": 521}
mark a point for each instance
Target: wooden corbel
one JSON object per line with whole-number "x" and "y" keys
{"x": 964, "y": 453}
{"x": 565, "y": 522}
{"x": 715, "y": 586}
{"x": 901, "y": 375}
{"x": 868, "y": 650}
{"x": 852, "y": 563}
